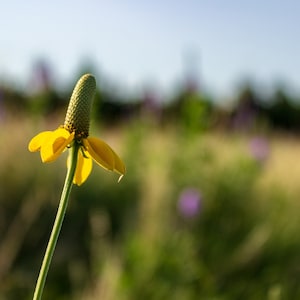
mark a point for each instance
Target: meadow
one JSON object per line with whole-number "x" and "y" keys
{"x": 206, "y": 215}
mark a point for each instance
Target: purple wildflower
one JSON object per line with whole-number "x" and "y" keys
{"x": 259, "y": 149}
{"x": 189, "y": 203}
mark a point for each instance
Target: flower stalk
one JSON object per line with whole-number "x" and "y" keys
{"x": 57, "y": 223}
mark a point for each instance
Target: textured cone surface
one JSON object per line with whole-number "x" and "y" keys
{"x": 79, "y": 110}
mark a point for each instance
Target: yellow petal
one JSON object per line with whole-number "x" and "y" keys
{"x": 100, "y": 152}
{"x": 119, "y": 165}
{"x": 38, "y": 140}
{"x": 104, "y": 155}
{"x": 83, "y": 168}
{"x": 55, "y": 144}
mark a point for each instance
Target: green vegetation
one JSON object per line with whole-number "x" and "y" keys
{"x": 234, "y": 235}
{"x": 208, "y": 209}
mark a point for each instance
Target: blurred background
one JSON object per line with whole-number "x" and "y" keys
{"x": 201, "y": 99}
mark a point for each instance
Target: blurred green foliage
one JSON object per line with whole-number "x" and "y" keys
{"x": 131, "y": 240}
{"x": 195, "y": 217}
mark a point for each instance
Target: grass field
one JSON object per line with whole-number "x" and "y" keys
{"x": 236, "y": 236}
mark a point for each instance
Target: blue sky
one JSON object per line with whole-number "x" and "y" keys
{"x": 136, "y": 42}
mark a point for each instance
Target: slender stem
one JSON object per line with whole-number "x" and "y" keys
{"x": 58, "y": 223}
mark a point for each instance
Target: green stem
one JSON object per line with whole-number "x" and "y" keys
{"x": 58, "y": 222}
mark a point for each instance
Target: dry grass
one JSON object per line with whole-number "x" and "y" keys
{"x": 283, "y": 167}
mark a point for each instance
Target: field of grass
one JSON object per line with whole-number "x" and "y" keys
{"x": 202, "y": 216}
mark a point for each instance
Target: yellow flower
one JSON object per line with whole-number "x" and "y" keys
{"x": 75, "y": 130}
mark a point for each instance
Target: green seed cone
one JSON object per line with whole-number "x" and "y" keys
{"x": 79, "y": 109}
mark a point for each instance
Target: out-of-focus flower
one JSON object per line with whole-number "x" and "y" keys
{"x": 259, "y": 149}
{"x": 189, "y": 203}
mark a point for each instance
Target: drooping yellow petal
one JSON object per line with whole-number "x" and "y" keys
{"x": 104, "y": 155}
{"x": 119, "y": 165}
{"x": 55, "y": 144}
{"x": 83, "y": 168}
{"x": 100, "y": 152}
{"x": 38, "y": 140}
